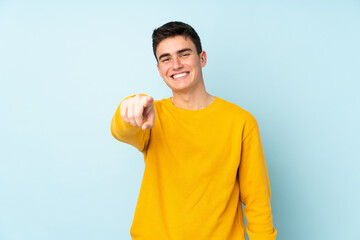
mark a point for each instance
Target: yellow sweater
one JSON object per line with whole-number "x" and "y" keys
{"x": 199, "y": 166}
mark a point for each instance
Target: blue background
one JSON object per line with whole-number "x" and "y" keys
{"x": 66, "y": 65}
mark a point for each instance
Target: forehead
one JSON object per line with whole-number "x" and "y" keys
{"x": 173, "y": 44}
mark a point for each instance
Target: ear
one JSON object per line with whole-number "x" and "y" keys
{"x": 157, "y": 65}
{"x": 203, "y": 58}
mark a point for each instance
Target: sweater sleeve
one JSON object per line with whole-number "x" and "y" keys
{"x": 126, "y": 133}
{"x": 255, "y": 186}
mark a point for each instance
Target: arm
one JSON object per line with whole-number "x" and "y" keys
{"x": 128, "y": 124}
{"x": 255, "y": 186}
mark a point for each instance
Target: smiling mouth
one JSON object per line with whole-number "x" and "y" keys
{"x": 179, "y": 75}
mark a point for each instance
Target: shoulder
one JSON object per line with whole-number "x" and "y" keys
{"x": 243, "y": 118}
{"x": 158, "y": 104}
{"x": 238, "y": 113}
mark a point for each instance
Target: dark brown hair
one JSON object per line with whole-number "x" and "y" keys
{"x": 172, "y": 29}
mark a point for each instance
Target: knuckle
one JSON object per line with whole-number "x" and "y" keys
{"x": 123, "y": 106}
{"x": 125, "y": 119}
{"x": 137, "y": 115}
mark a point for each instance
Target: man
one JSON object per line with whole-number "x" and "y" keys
{"x": 203, "y": 155}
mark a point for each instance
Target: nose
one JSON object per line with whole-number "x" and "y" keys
{"x": 177, "y": 63}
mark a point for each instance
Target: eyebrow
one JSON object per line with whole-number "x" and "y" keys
{"x": 178, "y": 52}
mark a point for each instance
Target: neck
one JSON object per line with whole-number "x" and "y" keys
{"x": 192, "y": 101}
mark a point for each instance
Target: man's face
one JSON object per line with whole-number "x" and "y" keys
{"x": 179, "y": 64}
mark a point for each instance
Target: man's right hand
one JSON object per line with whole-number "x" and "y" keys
{"x": 135, "y": 109}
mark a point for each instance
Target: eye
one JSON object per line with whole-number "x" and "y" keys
{"x": 185, "y": 54}
{"x": 165, "y": 60}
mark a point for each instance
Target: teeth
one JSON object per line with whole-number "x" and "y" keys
{"x": 179, "y": 75}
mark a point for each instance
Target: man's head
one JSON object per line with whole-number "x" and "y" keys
{"x": 179, "y": 57}
{"x": 173, "y": 29}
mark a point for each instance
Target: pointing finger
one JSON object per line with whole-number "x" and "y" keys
{"x": 148, "y": 101}
{"x": 138, "y": 115}
{"x": 150, "y": 119}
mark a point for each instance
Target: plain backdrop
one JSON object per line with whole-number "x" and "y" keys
{"x": 66, "y": 65}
